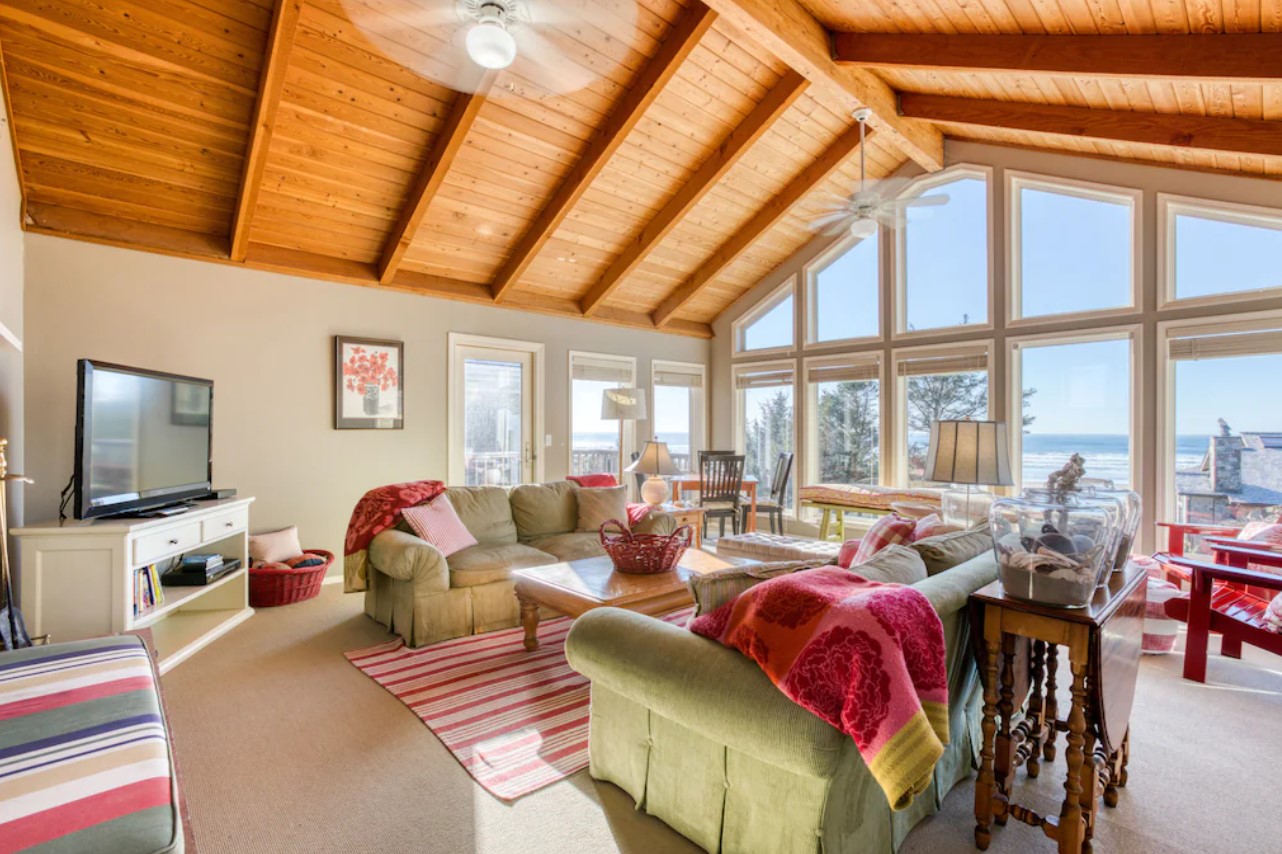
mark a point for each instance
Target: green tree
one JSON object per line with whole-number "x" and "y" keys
{"x": 848, "y": 432}
{"x": 767, "y": 433}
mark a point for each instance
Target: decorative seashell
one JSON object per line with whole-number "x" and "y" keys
{"x": 1048, "y": 528}
{"x": 1082, "y": 544}
{"x": 1058, "y": 543}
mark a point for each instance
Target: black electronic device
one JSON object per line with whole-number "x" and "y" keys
{"x": 183, "y": 576}
{"x": 143, "y": 439}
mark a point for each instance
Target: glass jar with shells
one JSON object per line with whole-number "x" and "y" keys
{"x": 1053, "y": 549}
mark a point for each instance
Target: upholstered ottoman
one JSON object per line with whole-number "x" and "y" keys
{"x": 774, "y": 547}
{"x": 85, "y": 760}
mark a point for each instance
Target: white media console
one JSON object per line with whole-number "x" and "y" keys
{"x": 77, "y": 577}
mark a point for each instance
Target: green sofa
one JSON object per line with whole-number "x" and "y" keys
{"x": 701, "y": 739}
{"x": 424, "y": 597}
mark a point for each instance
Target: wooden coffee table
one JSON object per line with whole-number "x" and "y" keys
{"x": 577, "y": 586}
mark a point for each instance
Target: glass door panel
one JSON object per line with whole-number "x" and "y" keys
{"x": 494, "y": 430}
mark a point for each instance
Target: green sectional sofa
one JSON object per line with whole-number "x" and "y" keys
{"x": 424, "y": 597}
{"x": 701, "y": 739}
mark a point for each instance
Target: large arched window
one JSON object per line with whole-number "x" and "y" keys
{"x": 842, "y": 293}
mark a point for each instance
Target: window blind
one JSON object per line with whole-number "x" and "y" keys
{"x": 601, "y": 369}
{"x": 678, "y": 377}
{"x": 764, "y": 378}
{"x": 843, "y": 372}
{"x": 945, "y": 363}
{"x": 1226, "y": 345}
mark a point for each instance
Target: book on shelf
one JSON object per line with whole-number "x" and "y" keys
{"x": 147, "y": 590}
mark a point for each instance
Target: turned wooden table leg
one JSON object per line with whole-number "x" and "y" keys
{"x": 1071, "y": 827}
{"x": 1090, "y": 786}
{"x": 1004, "y": 759}
{"x": 530, "y": 622}
{"x": 1052, "y": 702}
{"x": 984, "y": 785}
{"x": 1037, "y": 711}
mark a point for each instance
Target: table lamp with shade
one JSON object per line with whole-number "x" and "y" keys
{"x": 657, "y": 463}
{"x": 622, "y": 405}
{"x": 968, "y": 453}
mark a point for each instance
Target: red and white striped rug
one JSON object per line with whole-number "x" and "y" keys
{"x": 516, "y": 720}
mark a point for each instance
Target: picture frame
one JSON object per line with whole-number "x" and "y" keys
{"x": 369, "y": 384}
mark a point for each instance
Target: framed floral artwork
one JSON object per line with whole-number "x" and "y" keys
{"x": 369, "y": 384}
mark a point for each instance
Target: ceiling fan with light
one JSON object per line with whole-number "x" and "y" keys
{"x": 455, "y": 42}
{"x": 861, "y": 213}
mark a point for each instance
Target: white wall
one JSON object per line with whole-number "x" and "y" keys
{"x": 11, "y": 262}
{"x": 265, "y": 340}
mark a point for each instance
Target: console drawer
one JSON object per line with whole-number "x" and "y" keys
{"x": 224, "y": 524}
{"x": 171, "y": 541}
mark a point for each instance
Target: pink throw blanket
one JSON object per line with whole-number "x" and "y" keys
{"x": 377, "y": 511}
{"x": 866, "y": 657}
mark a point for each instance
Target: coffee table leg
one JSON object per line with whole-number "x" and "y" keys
{"x": 530, "y": 622}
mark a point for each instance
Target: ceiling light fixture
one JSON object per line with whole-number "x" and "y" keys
{"x": 489, "y": 44}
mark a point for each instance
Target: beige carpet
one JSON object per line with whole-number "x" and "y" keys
{"x": 287, "y": 747}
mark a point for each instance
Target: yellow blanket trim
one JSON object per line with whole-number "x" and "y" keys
{"x": 904, "y": 766}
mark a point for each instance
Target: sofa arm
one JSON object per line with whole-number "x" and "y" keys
{"x": 656, "y": 522}
{"x": 715, "y": 691}
{"x": 405, "y": 557}
{"x": 948, "y": 591}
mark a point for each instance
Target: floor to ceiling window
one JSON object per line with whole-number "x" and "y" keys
{"x": 764, "y": 416}
{"x": 594, "y": 441}
{"x": 937, "y": 383}
{"x": 680, "y": 406}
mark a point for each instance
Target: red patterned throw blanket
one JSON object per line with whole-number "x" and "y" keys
{"x": 377, "y": 511}
{"x": 864, "y": 656}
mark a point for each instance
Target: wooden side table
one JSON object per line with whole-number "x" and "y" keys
{"x": 1103, "y": 641}
{"x": 692, "y": 516}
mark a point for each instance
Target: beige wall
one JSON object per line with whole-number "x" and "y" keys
{"x": 11, "y": 261}
{"x": 1150, "y": 179}
{"x": 265, "y": 340}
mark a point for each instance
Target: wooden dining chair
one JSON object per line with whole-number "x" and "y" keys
{"x": 773, "y": 506}
{"x": 720, "y": 484}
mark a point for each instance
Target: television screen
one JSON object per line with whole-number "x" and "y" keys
{"x": 143, "y": 438}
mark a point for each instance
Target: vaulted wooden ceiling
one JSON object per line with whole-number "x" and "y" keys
{"x": 276, "y": 134}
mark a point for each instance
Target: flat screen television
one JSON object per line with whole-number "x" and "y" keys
{"x": 143, "y": 439}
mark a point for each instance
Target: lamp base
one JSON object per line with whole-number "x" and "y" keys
{"x": 654, "y": 491}
{"x": 965, "y": 506}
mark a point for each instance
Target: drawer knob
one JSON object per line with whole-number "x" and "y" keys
{"x": 229, "y": 524}
{"x": 173, "y": 542}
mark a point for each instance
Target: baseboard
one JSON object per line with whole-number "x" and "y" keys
{"x": 332, "y": 579}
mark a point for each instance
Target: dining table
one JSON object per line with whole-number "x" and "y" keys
{"x": 690, "y": 481}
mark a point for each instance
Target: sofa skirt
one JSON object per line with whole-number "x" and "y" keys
{"x": 437, "y": 616}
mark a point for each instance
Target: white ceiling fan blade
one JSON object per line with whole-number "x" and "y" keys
{"x": 841, "y": 226}
{"x": 888, "y": 188}
{"x": 426, "y": 37}
{"x": 551, "y": 60}
{"x": 827, "y": 219}
{"x": 613, "y": 18}
{"x": 918, "y": 202}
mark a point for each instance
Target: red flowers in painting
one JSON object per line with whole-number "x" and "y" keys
{"x": 364, "y": 368}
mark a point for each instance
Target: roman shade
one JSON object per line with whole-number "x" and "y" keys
{"x": 847, "y": 370}
{"x": 953, "y": 362}
{"x": 771, "y": 377}
{"x": 601, "y": 369}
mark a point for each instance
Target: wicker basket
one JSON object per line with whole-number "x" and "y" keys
{"x": 644, "y": 554}
{"x": 274, "y": 585}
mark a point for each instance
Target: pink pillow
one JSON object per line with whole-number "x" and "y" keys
{"x": 437, "y": 523}
{"x": 886, "y": 531}
{"x": 846, "y": 557}
{"x": 1273, "y": 615}
{"x": 932, "y": 526}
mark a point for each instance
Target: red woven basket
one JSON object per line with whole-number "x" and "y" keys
{"x": 644, "y": 554}
{"x": 274, "y": 585}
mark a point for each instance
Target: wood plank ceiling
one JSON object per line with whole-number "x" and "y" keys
{"x": 277, "y": 134}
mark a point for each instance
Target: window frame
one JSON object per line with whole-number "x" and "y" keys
{"x": 740, "y": 446}
{"x": 1132, "y": 332}
{"x": 897, "y": 257}
{"x": 629, "y": 427}
{"x": 763, "y": 307}
{"x": 1167, "y": 434}
{"x": 899, "y": 434}
{"x": 1016, "y": 181}
{"x": 809, "y": 468}
{"x": 810, "y": 276}
{"x": 698, "y": 413}
{"x": 1169, "y": 206}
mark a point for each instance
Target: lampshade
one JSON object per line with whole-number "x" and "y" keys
{"x": 969, "y": 452}
{"x": 623, "y": 404}
{"x": 654, "y": 460}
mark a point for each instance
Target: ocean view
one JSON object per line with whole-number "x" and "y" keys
{"x": 1107, "y": 456}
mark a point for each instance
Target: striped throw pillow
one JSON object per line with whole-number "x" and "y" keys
{"x": 439, "y": 524}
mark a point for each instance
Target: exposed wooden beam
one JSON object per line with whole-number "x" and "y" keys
{"x": 13, "y": 138}
{"x": 1209, "y": 133}
{"x": 280, "y": 44}
{"x": 765, "y": 219}
{"x": 786, "y": 29}
{"x": 1218, "y": 56}
{"x": 679, "y": 43}
{"x": 732, "y": 148}
{"x": 449, "y": 142}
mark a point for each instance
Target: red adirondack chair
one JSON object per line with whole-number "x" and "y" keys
{"x": 1177, "y": 533}
{"x": 1229, "y": 599}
